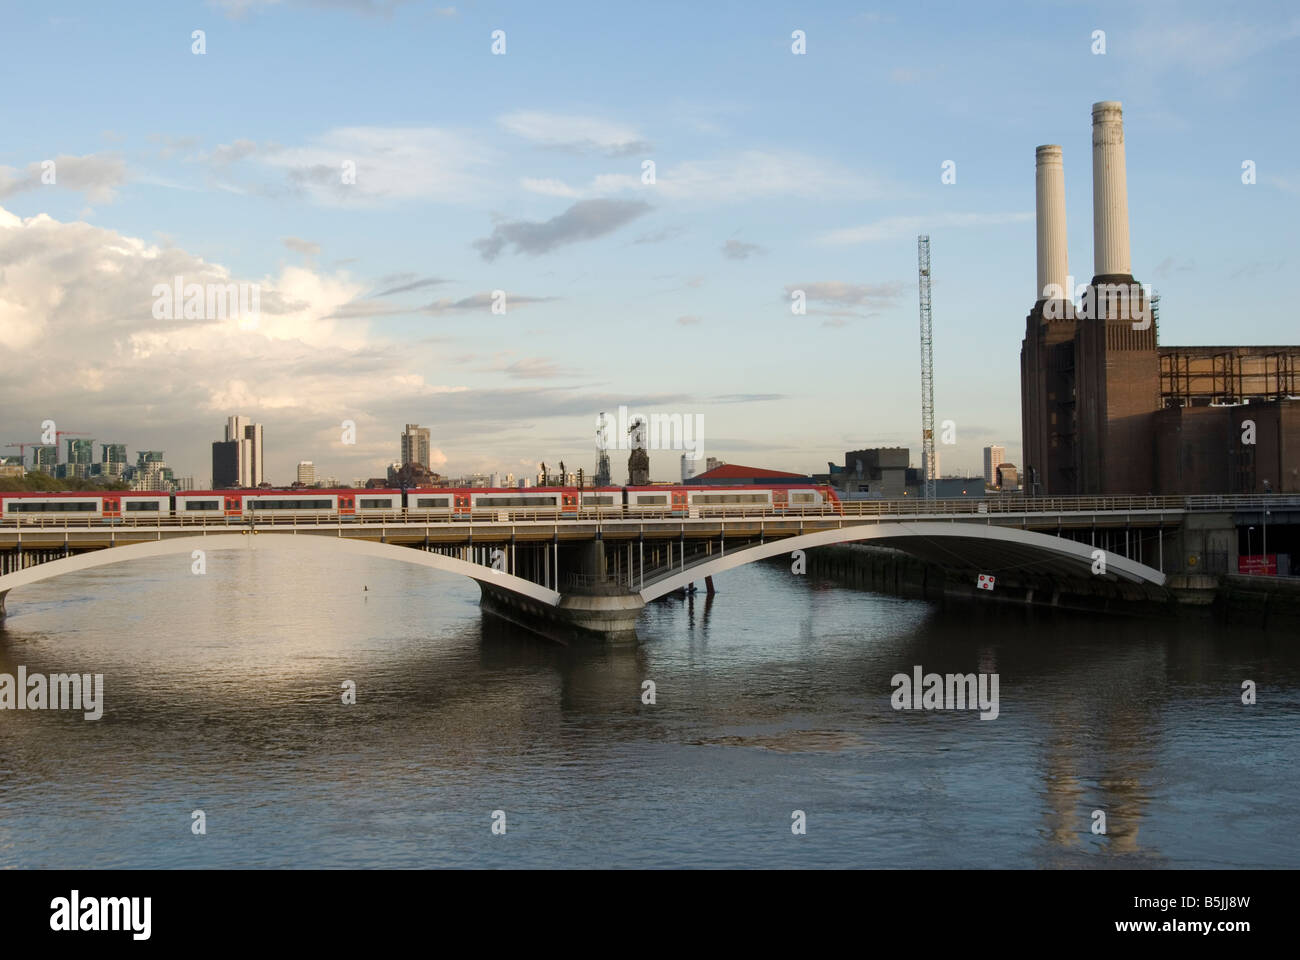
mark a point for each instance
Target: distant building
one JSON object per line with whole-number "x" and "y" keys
{"x": 957, "y": 488}
{"x": 81, "y": 454}
{"x": 306, "y": 473}
{"x": 411, "y": 475}
{"x": 1007, "y": 478}
{"x": 993, "y": 458}
{"x": 45, "y": 458}
{"x": 736, "y": 474}
{"x": 1105, "y": 408}
{"x": 638, "y": 468}
{"x": 712, "y": 463}
{"x": 415, "y": 446}
{"x": 12, "y": 467}
{"x": 881, "y": 471}
{"x": 688, "y": 467}
{"x": 248, "y": 451}
{"x": 151, "y": 471}
{"x": 112, "y": 458}
{"x": 225, "y": 464}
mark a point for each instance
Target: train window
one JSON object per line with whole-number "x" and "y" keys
{"x": 61, "y": 506}
{"x": 291, "y": 504}
{"x": 142, "y": 505}
{"x": 705, "y": 499}
{"x": 376, "y": 503}
{"x": 202, "y": 504}
{"x": 431, "y": 503}
{"x": 651, "y": 500}
{"x": 600, "y": 501}
{"x": 547, "y": 501}
{"x": 803, "y": 498}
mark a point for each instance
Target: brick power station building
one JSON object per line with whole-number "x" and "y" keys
{"x": 1104, "y": 408}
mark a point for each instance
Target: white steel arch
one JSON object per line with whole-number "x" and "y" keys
{"x": 230, "y": 541}
{"x": 1051, "y": 547}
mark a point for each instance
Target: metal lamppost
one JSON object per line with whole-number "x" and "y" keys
{"x": 1249, "y": 551}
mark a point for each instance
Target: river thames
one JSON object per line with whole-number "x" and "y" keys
{"x": 224, "y": 693}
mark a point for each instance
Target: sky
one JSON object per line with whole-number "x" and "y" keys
{"x": 378, "y": 173}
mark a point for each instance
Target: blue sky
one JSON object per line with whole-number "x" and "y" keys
{"x": 523, "y": 172}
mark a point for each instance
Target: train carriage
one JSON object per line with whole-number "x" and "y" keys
{"x": 43, "y": 506}
{"x": 430, "y": 504}
{"x": 377, "y": 504}
{"x": 291, "y": 504}
{"x": 507, "y": 504}
{"x": 76, "y": 505}
{"x": 191, "y": 505}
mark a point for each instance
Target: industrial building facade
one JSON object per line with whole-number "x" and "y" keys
{"x": 1106, "y": 410}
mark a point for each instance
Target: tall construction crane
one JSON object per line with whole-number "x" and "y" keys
{"x": 929, "y": 485}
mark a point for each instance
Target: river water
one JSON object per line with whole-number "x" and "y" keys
{"x": 224, "y": 693}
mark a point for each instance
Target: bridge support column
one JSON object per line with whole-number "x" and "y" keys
{"x": 3, "y": 594}
{"x": 605, "y": 613}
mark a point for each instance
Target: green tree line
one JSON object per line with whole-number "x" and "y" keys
{"x": 44, "y": 483}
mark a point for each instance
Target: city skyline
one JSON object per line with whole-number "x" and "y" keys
{"x": 114, "y": 453}
{"x": 538, "y": 192}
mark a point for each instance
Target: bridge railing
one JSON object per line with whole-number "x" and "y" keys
{"x": 907, "y": 507}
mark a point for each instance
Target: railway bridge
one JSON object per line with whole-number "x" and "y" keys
{"x": 592, "y": 573}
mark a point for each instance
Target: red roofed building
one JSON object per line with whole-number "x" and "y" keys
{"x": 731, "y": 474}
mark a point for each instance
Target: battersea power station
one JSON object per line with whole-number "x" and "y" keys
{"x": 1105, "y": 409}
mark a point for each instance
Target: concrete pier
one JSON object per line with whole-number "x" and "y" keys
{"x": 583, "y": 614}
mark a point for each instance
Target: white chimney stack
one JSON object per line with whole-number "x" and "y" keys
{"x": 1109, "y": 192}
{"x": 1053, "y": 261}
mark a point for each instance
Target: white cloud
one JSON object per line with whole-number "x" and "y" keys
{"x": 76, "y": 304}
{"x": 96, "y": 175}
{"x": 735, "y": 178}
{"x": 571, "y": 132}
{"x": 841, "y": 294}
{"x": 366, "y": 165}
{"x": 549, "y": 187}
{"x": 890, "y": 228}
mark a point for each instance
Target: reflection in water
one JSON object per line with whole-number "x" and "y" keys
{"x": 223, "y": 693}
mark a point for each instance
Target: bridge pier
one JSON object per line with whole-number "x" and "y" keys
{"x": 601, "y": 612}
{"x": 594, "y": 605}
{"x": 3, "y": 594}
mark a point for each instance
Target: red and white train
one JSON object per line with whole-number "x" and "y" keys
{"x": 421, "y": 504}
